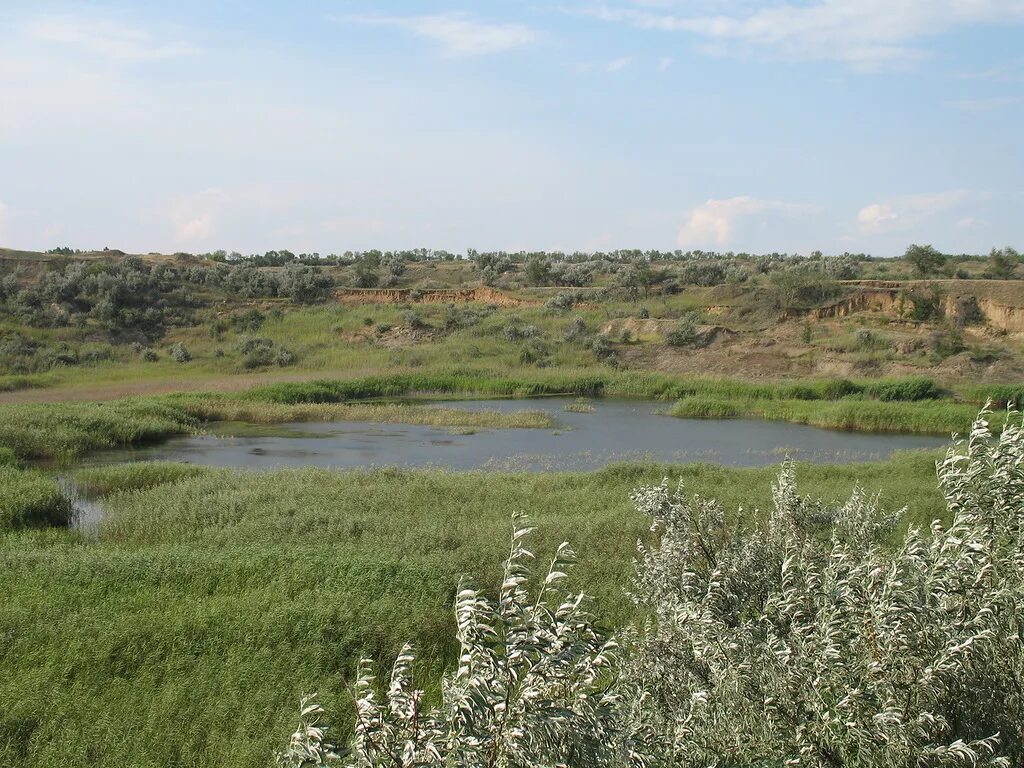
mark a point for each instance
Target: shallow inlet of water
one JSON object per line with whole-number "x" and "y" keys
{"x": 615, "y": 431}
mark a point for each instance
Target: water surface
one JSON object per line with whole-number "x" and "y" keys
{"x": 616, "y": 430}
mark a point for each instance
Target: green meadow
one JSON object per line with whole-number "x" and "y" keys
{"x": 183, "y": 629}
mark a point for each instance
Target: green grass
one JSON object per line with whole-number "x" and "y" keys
{"x": 66, "y": 430}
{"x": 63, "y": 431}
{"x": 30, "y": 499}
{"x": 930, "y": 417}
{"x": 184, "y": 630}
{"x": 398, "y": 385}
{"x": 214, "y": 408}
{"x": 134, "y": 476}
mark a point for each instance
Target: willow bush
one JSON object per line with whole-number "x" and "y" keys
{"x": 807, "y": 639}
{"x": 531, "y": 687}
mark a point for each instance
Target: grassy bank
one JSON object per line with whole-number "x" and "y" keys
{"x": 70, "y": 429}
{"x": 30, "y": 500}
{"x": 261, "y": 412}
{"x": 64, "y": 431}
{"x": 184, "y": 632}
{"x": 931, "y": 417}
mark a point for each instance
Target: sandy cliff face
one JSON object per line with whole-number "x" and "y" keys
{"x": 1001, "y": 301}
{"x": 1005, "y": 317}
{"x": 482, "y": 295}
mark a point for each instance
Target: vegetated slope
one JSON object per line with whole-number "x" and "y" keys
{"x": 92, "y": 322}
{"x": 186, "y": 630}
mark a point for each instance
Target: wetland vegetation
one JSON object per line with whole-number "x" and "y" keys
{"x": 184, "y": 625}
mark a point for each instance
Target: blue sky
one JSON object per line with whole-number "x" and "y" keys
{"x": 788, "y": 125}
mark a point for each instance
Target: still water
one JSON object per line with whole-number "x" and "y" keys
{"x": 616, "y": 430}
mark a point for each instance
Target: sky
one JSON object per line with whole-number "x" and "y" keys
{"x": 333, "y": 125}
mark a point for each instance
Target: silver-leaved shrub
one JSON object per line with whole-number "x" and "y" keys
{"x": 810, "y": 640}
{"x": 532, "y": 688}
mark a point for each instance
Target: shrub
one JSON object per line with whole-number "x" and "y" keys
{"x": 179, "y": 353}
{"x": 249, "y": 321}
{"x": 602, "y": 349}
{"x": 562, "y": 302}
{"x": 802, "y": 288}
{"x": 413, "y": 320}
{"x": 534, "y": 352}
{"x": 865, "y": 337}
{"x": 285, "y": 357}
{"x": 927, "y": 305}
{"x": 967, "y": 311}
{"x": 946, "y": 342}
{"x": 515, "y": 331}
{"x": 150, "y": 355}
{"x": 576, "y": 330}
{"x": 802, "y": 639}
{"x": 809, "y": 641}
{"x": 685, "y": 333}
{"x": 530, "y": 687}
{"x": 305, "y": 284}
{"x": 256, "y": 352}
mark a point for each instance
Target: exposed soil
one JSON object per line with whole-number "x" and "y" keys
{"x": 482, "y": 295}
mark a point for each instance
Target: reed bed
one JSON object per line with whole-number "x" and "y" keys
{"x": 30, "y": 499}
{"x": 183, "y": 630}
{"x": 930, "y": 417}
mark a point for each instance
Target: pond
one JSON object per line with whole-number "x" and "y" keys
{"x": 614, "y": 431}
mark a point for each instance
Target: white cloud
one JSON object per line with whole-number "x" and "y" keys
{"x": 455, "y": 33}
{"x": 714, "y": 222}
{"x": 665, "y": 63}
{"x": 984, "y": 105}
{"x": 903, "y": 213}
{"x": 864, "y": 33}
{"x": 105, "y": 38}
{"x": 196, "y": 228}
{"x": 617, "y": 65}
{"x": 874, "y": 217}
{"x": 3, "y": 214}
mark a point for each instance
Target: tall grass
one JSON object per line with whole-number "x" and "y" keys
{"x": 399, "y": 385}
{"x": 931, "y": 417}
{"x": 183, "y": 630}
{"x": 135, "y": 476}
{"x": 661, "y": 387}
{"x": 219, "y": 408}
{"x": 30, "y": 499}
{"x": 65, "y": 430}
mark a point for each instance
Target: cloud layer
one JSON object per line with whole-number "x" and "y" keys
{"x": 904, "y": 213}
{"x": 714, "y": 222}
{"x": 456, "y": 33}
{"x": 864, "y": 33}
{"x": 106, "y": 38}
